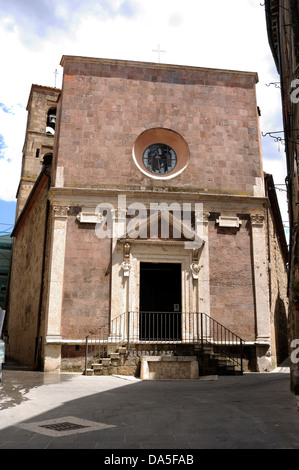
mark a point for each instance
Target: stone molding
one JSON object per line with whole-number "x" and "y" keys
{"x": 229, "y": 221}
{"x": 60, "y": 211}
{"x": 126, "y": 264}
{"x": 149, "y": 65}
{"x": 76, "y": 196}
{"x": 90, "y": 218}
{"x": 195, "y": 266}
{"x": 257, "y": 220}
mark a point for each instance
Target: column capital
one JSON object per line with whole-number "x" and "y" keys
{"x": 257, "y": 220}
{"x": 60, "y": 211}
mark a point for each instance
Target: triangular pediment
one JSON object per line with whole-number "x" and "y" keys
{"x": 165, "y": 227}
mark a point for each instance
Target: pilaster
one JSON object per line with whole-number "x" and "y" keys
{"x": 203, "y": 283}
{"x": 261, "y": 290}
{"x": 54, "y": 305}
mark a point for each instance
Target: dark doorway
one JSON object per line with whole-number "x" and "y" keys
{"x": 160, "y": 302}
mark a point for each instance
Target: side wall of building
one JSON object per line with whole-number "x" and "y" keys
{"x": 26, "y": 278}
{"x": 282, "y": 23}
{"x": 278, "y": 287}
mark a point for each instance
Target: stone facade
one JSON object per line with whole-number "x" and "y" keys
{"x": 86, "y": 304}
{"x": 215, "y": 111}
{"x": 108, "y": 113}
{"x": 231, "y": 280}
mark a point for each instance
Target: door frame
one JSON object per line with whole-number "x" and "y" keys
{"x": 159, "y": 324}
{"x": 125, "y": 276}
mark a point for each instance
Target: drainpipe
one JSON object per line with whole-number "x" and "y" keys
{"x": 269, "y": 260}
{"x": 269, "y": 245}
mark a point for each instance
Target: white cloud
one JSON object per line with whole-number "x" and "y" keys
{"x": 12, "y": 126}
{"x": 218, "y": 34}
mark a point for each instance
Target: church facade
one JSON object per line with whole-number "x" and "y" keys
{"x": 144, "y": 212}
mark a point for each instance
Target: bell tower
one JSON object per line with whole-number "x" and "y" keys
{"x": 39, "y": 138}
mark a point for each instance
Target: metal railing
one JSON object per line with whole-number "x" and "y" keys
{"x": 165, "y": 327}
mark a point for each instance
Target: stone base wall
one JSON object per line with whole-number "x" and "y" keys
{"x": 169, "y": 368}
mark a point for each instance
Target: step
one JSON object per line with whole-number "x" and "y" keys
{"x": 122, "y": 350}
{"x": 89, "y": 372}
{"x": 114, "y": 356}
{"x": 226, "y": 370}
{"x": 216, "y": 356}
{"x": 222, "y": 362}
{"x": 230, "y": 367}
{"x": 97, "y": 366}
{"x": 106, "y": 361}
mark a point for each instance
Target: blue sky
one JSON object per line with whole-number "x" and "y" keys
{"x": 34, "y": 35}
{"x": 7, "y": 216}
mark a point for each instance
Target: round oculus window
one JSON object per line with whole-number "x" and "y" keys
{"x": 159, "y": 159}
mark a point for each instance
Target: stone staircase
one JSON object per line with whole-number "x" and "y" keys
{"x": 121, "y": 362}
{"x": 123, "y": 343}
{"x": 212, "y": 363}
{"x": 114, "y": 364}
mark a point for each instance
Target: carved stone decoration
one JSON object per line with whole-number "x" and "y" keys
{"x": 127, "y": 251}
{"x": 202, "y": 219}
{"x": 229, "y": 221}
{"x": 61, "y": 211}
{"x": 126, "y": 264}
{"x": 195, "y": 255}
{"x": 90, "y": 218}
{"x": 195, "y": 266}
{"x": 257, "y": 220}
{"x": 195, "y": 269}
{"x": 206, "y": 216}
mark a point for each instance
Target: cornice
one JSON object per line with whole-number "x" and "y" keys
{"x": 154, "y": 65}
{"x": 95, "y": 194}
{"x": 42, "y": 89}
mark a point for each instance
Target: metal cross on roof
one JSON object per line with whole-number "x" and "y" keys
{"x": 159, "y": 51}
{"x": 55, "y": 73}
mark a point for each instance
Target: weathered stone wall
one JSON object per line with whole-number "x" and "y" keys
{"x": 231, "y": 278}
{"x": 86, "y": 297}
{"x": 41, "y": 99}
{"x": 278, "y": 281}
{"x": 26, "y": 279}
{"x": 106, "y": 105}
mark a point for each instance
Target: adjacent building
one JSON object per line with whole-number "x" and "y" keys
{"x": 5, "y": 257}
{"x": 283, "y": 32}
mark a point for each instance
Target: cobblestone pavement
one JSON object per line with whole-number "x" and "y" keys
{"x": 72, "y": 411}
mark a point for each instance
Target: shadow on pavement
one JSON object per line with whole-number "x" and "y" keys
{"x": 255, "y": 411}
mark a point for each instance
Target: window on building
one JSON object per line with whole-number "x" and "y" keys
{"x": 51, "y": 121}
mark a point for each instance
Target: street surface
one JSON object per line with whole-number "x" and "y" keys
{"x": 72, "y": 411}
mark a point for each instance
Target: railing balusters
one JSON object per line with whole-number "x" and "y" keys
{"x": 171, "y": 327}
